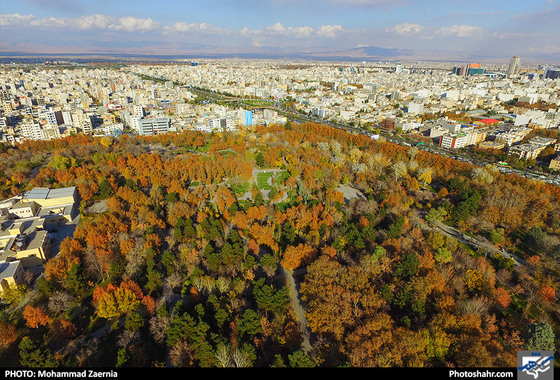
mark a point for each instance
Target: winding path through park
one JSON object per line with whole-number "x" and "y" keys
{"x": 298, "y": 309}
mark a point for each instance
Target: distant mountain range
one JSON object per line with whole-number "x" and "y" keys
{"x": 362, "y": 53}
{"x": 356, "y": 53}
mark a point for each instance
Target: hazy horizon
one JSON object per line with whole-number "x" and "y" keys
{"x": 353, "y": 29}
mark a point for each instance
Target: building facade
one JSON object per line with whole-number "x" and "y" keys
{"x": 146, "y": 127}
{"x": 513, "y": 68}
{"x": 453, "y": 141}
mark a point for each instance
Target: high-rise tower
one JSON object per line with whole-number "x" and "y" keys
{"x": 513, "y": 68}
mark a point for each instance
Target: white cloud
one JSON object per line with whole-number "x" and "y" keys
{"x": 329, "y": 31}
{"x": 279, "y": 30}
{"x": 281, "y": 35}
{"x": 406, "y": 29}
{"x": 183, "y": 27}
{"x": 95, "y": 21}
{"x": 130, "y": 24}
{"x": 15, "y": 19}
{"x": 548, "y": 49}
{"x": 508, "y": 35}
{"x": 540, "y": 15}
{"x": 134, "y": 24}
{"x": 465, "y": 31}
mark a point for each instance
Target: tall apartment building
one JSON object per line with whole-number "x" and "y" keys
{"x": 415, "y": 108}
{"x": 526, "y": 151}
{"x": 86, "y": 125}
{"x": 51, "y": 117}
{"x": 248, "y": 118}
{"x": 82, "y": 120}
{"x": 214, "y": 123}
{"x": 138, "y": 111}
{"x": 67, "y": 117}
{"x": 514, "y": 65}
{"x": 7, "y": 107}
{"x": 31, "y": 131}
{"x": 468, "y": 69}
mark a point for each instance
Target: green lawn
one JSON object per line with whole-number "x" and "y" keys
{"x": 281, "y": 176}
{"x": 262, "y": 180}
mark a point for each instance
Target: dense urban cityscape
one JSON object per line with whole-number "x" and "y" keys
{"x": 497, "y": 108}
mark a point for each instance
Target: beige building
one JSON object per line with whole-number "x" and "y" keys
{"x": 526, "y": 151}
{"x": 11, "y": 274}
{"x": 24, "y": 209}
{"x": 24, "y": 224}
{"x": 35, "y": 249}
{"x": 24, "y": 241}
{"x": 45, "y": 197}
{"x": 555, "y": 163}
{"x": 491, "y": 145}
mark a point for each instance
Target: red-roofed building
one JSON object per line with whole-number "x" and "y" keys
{"x": 489, "y": 121}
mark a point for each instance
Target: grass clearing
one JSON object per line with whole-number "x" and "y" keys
{"x": 262, "y": 181}
{"x": 281, "y": 176}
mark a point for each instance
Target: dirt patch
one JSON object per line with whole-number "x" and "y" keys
{"x": 98, "y": 207}
{"x": 350, "y": 193}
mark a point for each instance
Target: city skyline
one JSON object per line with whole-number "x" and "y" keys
{"x": 368, "y": 29}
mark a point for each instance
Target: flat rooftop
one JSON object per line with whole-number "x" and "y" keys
{"x": 7, "y": 269}
{"x": 45, "y": 193}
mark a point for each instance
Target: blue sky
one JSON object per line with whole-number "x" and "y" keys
{"x": 424, "y": 29}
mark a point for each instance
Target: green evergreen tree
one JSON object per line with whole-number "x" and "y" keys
{"x": 539, "y": 336}
{"x": 249, "y": 323}
{"x": 260, "y": 160}
{"x": 74, "y": 281}
{"x": 35, "y": 357}
{"x": 300, "y": 359}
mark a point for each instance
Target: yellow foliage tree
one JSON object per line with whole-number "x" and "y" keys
{"x": 113, "y": 302}
{"x": 473, "y": 279}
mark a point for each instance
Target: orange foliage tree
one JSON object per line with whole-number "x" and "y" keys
{"x": 35, "y": 316}
{"x": 295, "y": 257}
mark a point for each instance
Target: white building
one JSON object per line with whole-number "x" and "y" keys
{"x": 31, "y": 131}
{"x": 415, "y": 108}
{"x": 50, "y": 117}
{"x": 138, "y": 111}
{"x": 406, "y": 126}
{"x": 214, "y": 124}
{"x": 146, "y": 127}
{"x": 514, "y": 65}
{"x": 453, "y": 141}
{"x": 67, "y": 117}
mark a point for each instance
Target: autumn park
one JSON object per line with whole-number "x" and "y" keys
{"x": 295, "y": 245}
